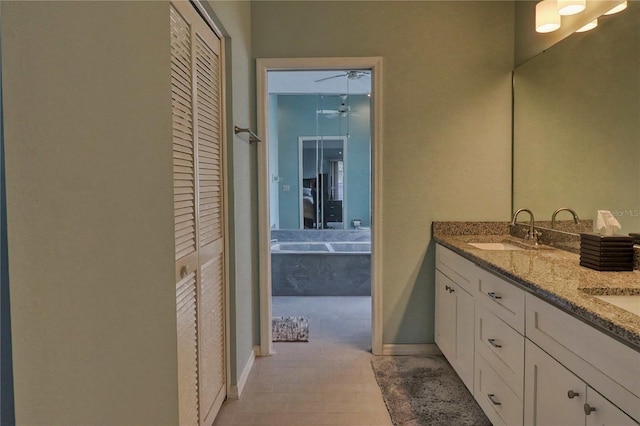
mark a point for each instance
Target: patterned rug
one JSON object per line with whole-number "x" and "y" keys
{"x": 290, "y": 329}
{"x": 425, "y": 390}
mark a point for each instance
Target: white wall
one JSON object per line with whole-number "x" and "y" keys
{"x": 87, "y": 121}
{"x": 447, "y": 121}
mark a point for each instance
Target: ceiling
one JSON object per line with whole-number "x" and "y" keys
{"x": 304, "y": 82}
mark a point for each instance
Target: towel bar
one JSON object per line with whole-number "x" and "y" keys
{"x": 252, "y": 136}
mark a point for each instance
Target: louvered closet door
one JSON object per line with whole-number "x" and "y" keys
{"x": 211, "y": 241}
{"x": 198, "y": 204}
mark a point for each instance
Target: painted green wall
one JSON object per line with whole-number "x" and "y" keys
{"x": 87, "y": 122}
{"x": 446, "y": 142}
{"x": 90, "y": 208}
{"x": 297, "y": 117}
{"x": 234, "y": 18}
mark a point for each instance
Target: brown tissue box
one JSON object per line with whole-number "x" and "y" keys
{"x": 606, "y": 240}
{"x": 606, "y": 253}
{"x": 602, "y": 268}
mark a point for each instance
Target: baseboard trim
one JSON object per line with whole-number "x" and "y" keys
{"x": 400, "y": 349}
{"x": 236, "y": 390}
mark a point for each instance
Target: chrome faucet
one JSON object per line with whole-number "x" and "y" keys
{"x": 576, "y": 219}
{"x": 532, "y": 234}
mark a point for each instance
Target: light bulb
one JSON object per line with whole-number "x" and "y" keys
{"x": 591, "y": 25}
{"x": 571, "y": 7}
{"x": 547, "y": 17}
{"x": 619, "y": 8}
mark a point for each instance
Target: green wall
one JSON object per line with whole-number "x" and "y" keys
{"x": 234, "y": 18}
{"x": 88, "y": 144}
{"x": 87, "y": 126}
{"x": 297, "y": 117}
{"x": 446, "y": 141}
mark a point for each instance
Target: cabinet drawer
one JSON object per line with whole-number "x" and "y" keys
{"x": 502, "y": 347}
{"x": 500, "y": 404}
{"x": 604, "y": 363}
{"x": 458, "y": 269}
{"x": 502, "y": 298}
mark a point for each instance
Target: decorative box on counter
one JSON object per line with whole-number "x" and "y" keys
{"x": 606, "y": 253}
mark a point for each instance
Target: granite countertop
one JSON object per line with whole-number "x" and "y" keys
{"x": 552, "y": 274}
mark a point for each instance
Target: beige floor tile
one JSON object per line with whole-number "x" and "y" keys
{"x": 328, "y": 381}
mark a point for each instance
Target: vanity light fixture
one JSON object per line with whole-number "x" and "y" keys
{"x": 591, "y": 25}
{"x": 619, "y": 8}
{"x": 547, "y": 17}
{"x": 571, "y": 7}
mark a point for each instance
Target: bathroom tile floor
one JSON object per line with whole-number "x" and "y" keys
{"x": 326, "y": 381}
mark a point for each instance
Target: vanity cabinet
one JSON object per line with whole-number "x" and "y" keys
{"x": 455, "y": 324}
{"x": 607, "y": 370}
{"x": 556, "y": 396}
{"x": 456, "y": 282}
{"x": 526, "y": 361}
{"x": 499, "y": 349}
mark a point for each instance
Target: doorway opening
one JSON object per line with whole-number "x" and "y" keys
{"x": 318, "y": 171}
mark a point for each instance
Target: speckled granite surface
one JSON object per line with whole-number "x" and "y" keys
{"x": 552, "y": 274}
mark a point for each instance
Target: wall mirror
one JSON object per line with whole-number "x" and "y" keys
{"x": 320, "y": 149}
{"x": 577, "y": 124}
{"x": 322, "y": 171}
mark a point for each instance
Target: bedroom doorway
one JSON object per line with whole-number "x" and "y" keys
{"x": 317, "y": 175}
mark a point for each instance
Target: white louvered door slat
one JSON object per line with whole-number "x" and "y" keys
{"x": 196, "y": 95}
{"x": 210, "y": 227}
{"x": 185, "y": 223}
{"x": 186, "y": 312}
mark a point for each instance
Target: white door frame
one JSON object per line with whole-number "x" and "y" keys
{"x": 264, "y": 65}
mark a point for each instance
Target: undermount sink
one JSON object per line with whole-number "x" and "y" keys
{"x": 496, "y": 246}
{"x": 630, "y": 302}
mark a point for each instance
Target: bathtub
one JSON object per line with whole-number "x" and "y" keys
{"x": 315, "y": 268}
{"x": 338, "y": 247}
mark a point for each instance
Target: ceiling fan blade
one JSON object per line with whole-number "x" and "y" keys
{"x": 328, "y": 113}
{"x": 328, "y": 78}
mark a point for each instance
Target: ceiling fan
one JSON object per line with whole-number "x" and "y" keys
{"x": 351, "y": 75}
{"x": 341, "y": 111}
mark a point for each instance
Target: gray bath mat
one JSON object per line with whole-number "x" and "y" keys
{"x": 425, "y": 390}
{"x": 290, "y": 329}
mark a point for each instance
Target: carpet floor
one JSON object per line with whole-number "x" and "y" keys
{"x": 425, "y": 390}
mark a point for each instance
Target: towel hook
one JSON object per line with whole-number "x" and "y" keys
{"x": 252, "y": 136}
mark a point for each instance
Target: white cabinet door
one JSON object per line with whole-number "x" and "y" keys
{"x": 553, "y": 395}
{"x": 602, "y": 412}
{"x": 465, "y": 322}
{"x": 445, "y": 316}
{"x": 455, "y": 326}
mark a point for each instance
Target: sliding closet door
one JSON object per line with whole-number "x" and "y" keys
{"x": 199, "y": 220}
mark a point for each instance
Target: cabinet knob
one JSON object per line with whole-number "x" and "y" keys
{"x": 494, "y": 296}
{"x": 493, "y": 399}
{"x": 446, "y": 287}
{"x": 184, "y": 271}
{"x": 588, "y": 409}
{"x": 493, "y": 343}
{"x": 571, "y": 394}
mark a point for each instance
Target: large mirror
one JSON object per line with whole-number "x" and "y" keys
{"x": 577, "y": 124}
{"x": 322, "y": 170}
